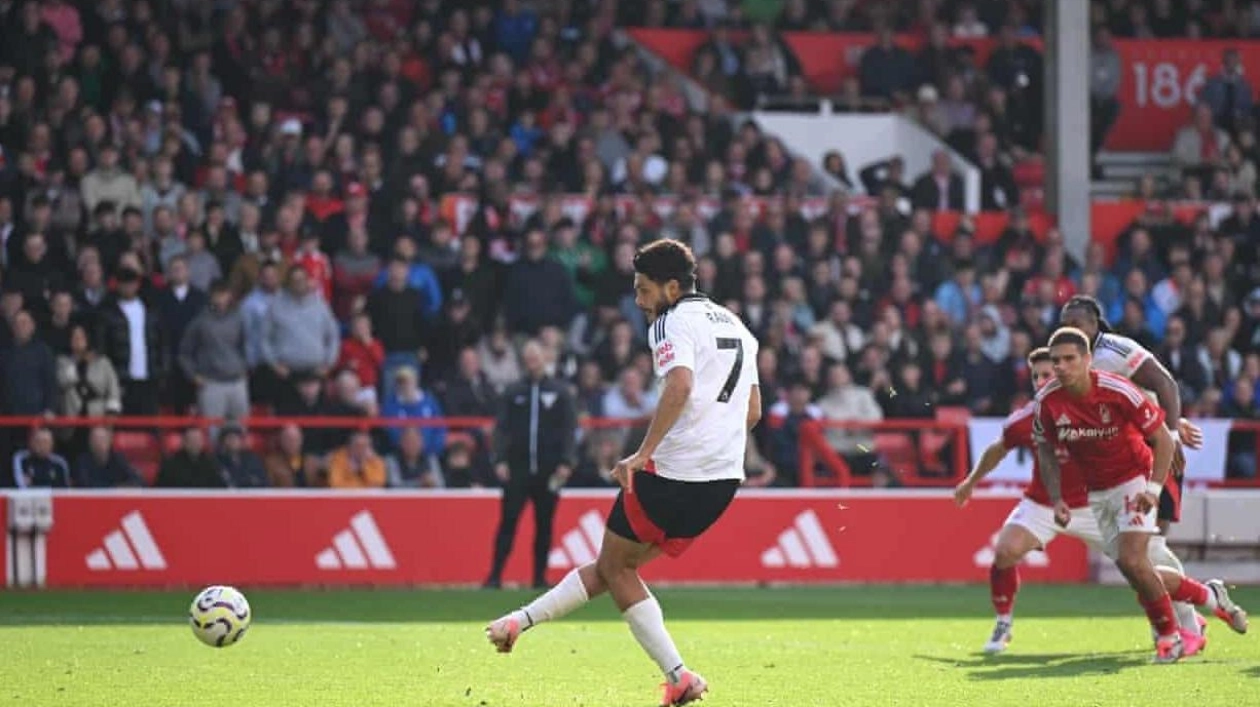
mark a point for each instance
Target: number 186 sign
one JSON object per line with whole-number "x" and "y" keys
{"x": 1160, "y": 84}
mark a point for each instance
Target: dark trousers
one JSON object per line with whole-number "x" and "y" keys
{"x": 523, "y": 488}
{"x": 1102, "y": 115}
{"x": 139, "y": 397}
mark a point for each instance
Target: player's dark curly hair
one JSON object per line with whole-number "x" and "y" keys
{"x": 1088, "y": 304}
{"x": 665, "y": 260}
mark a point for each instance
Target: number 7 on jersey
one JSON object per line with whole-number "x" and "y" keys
{"x": 727, "y": 343}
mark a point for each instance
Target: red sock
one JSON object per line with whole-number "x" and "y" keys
{"x": 1160, "y": 613}
{"x": 1003, "y": 586}
{"x": 1192, "y": 591}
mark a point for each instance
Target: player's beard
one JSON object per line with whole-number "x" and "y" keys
{"x": 657, "y": 309}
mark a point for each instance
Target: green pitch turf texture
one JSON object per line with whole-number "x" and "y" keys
{"x": 914, "y": 646}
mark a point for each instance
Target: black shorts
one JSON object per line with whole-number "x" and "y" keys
{"x": 1170, "y": 495}
{"x": 667, "y": 513}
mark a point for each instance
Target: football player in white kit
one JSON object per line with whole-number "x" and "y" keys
{"x": 1125, "y": 357}
{"x": 685, "y": 472}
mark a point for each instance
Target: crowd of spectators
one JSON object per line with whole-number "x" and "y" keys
{"x": 235, "y": 208}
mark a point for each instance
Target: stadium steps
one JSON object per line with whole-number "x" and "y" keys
{"x": 1121, "y": 171}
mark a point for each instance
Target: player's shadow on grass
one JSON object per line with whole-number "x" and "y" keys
{"x": 1252, "y": 672}
{"x": 1042, "y": 665}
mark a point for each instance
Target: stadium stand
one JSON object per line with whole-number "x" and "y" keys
{"x": 393, "y": 188}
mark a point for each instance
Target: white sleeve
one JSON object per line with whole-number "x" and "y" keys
{"x": 1121, "y": 355}
{"x": 673, "y": 344}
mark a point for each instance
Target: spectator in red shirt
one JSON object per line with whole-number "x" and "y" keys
{"x": 311, "y": 259}
{"x": 362, "y": 352}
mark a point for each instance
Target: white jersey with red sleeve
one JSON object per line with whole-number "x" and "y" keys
{"x": 1119, "y": 354}
{"x": 1102, "y": 432}
{"x": 707, "y": 442}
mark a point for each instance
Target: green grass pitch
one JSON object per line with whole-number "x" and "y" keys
{"x": 860, "y": 645}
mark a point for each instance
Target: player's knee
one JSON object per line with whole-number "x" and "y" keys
{"x": 1008, "y": 554}
{"x": 1131, "y": 563}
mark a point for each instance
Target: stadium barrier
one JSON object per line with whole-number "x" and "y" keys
{"x": 155, "y": 537}
{"x": 159, "y": 538}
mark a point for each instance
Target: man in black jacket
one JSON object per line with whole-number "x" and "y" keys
{"x": 140, "y": 364}
{"x": 534, "y": 457}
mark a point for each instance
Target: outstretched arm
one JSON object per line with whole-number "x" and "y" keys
{"x": 988, "y": 461}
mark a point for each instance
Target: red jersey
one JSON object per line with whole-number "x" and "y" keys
{"x": 319, "y": 268}
{"x": 1103, "y": 432}
{"x": 1017, "y": 433}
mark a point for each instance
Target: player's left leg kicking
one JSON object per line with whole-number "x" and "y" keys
{"x": 616, "y": 571}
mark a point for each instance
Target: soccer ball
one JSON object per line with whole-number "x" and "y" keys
{"x": 219, "y": 616}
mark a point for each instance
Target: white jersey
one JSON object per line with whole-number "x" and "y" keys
{"x": 1122, "y": 356}
{"x": 1119, "y": 354}
{"x": 707, "y": 442}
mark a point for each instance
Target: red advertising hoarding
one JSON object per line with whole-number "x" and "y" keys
{"x": 155, "y": 538}
{"x": 1161, "y": 78}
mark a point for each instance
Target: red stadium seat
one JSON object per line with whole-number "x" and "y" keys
{"x": 141, "y": 449}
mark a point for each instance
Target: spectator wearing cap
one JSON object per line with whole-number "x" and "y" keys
{"x": 409, "y": 400}
{"x": 300, "y": 335}
{"x": 38, "y": 465}
{"x": 132, "y": 336}
{"x": 109, "y": 182}
{"x": 212, "y": 355}
{"x": 192, "y": 465}
{"x": 356, "y": 465}
{"x": 239, "y": 465}
{"x": 539, "y": 291}
{"x": 102, "y": 466}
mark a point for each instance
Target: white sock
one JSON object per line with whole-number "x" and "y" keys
{"x": 1161, "y": 554}
{"x": 1006, "y": 618}
{"x": 647, "y": 623}
{"x": 1187, "y": 617}
{"x": 566, "y": 596}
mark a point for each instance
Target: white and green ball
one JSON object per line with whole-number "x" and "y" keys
{"x": 219, "y": 616}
